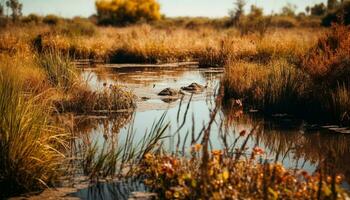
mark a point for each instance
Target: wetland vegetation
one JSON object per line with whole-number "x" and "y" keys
{"x": 261, "y": 107}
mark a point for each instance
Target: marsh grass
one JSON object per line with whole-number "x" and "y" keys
{"x": 340, "y": 103}
{"x": 146, "y": 43}
{"x": 59, "y": 69}
{"x": 275, "y": 87}
{"x": 32, "y": 149}
{"x": 111, "y": 99}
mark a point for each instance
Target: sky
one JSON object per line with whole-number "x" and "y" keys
{"x": 171, "y": 8}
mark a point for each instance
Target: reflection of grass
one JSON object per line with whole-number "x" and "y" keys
{"x": 115, "y": 158}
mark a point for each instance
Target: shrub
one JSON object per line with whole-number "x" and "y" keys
{"x": 255, "y": 22}
{"x": 284, "y": 22}
{"x": 51, "y": 20}
{"x": 77, "y": 27}
{"x": 32, "y": 18}
{"x": 318, "y": 9}
{"x": 121, "y": 12}
{"x": 341, "y": 15}
{"x": 329, "y": 61}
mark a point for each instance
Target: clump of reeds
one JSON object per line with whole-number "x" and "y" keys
{"x": 31, "y": 148}
{"x": 340, "y": 103}
{"x": 275, "y": 87}
{"x": 59, "y": 69}
{"x": 110, "y": 99}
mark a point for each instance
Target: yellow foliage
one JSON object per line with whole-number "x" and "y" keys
{"x": 127, "y": 11}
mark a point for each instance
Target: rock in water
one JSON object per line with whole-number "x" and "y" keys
{"x": 168, "y": 92}
{"x": 193, "y": 87}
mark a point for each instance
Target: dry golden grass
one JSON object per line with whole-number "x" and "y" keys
{"x": 31, "y": 148}
{"x": 277, "y": 86}
{"x": 145, "y": 43}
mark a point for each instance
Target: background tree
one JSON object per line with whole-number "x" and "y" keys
{"x": 307, "y": 9}
{"x": 121, "y": 12}
{"x": 1, "y": 10}
{"x": 318, "y": 10}
{"x": 255, "y": 12}
{"x": 289, "y": 10}
{"x": 238, "y": 12}
{"x": 16, "y": 9}
{"x": 340, "y": 15}
{"x": 332, "y": 5}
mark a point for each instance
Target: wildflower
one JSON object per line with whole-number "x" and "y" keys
{"x": 168, "y": 169}
{"x": 258, "y": 151}
{"x": 338, "y": 179}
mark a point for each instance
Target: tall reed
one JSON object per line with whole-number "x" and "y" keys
{"x": 31, "y": 148}
{"x": 276, "y": 87}
{"x": 60, "y": 71}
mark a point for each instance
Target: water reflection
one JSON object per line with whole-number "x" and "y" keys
{"x": 284, "y": 138}
{"x": 121, "y": 190}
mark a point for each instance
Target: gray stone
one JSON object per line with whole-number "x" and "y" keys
{"x": 168, "y": 92}
{"x": 193, "y": 87}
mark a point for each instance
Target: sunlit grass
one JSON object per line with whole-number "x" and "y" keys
{"x": 276, "y": 87}
{"x": 31, "y": 148}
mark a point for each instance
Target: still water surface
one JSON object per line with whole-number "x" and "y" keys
{"x": 293, "y": 142}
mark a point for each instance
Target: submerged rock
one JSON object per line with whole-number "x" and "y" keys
{"x": 169, "y": 92}
{"x": 145, "y": 98}
{"x": 193, "y": 87}
{"x": 169, "y": 100}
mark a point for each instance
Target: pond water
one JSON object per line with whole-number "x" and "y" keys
{"x": 293, "y": 142}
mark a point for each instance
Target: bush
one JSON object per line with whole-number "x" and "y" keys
{"x": 32, "y": 18}
{"x": 121, "y": 12}
{"x": 329, "y": 61}
{"x": 341, "y": 15}
{"x": 284, "y": 22}
{"x": 77, "y": 28}
{"x": 51, "y": 19}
